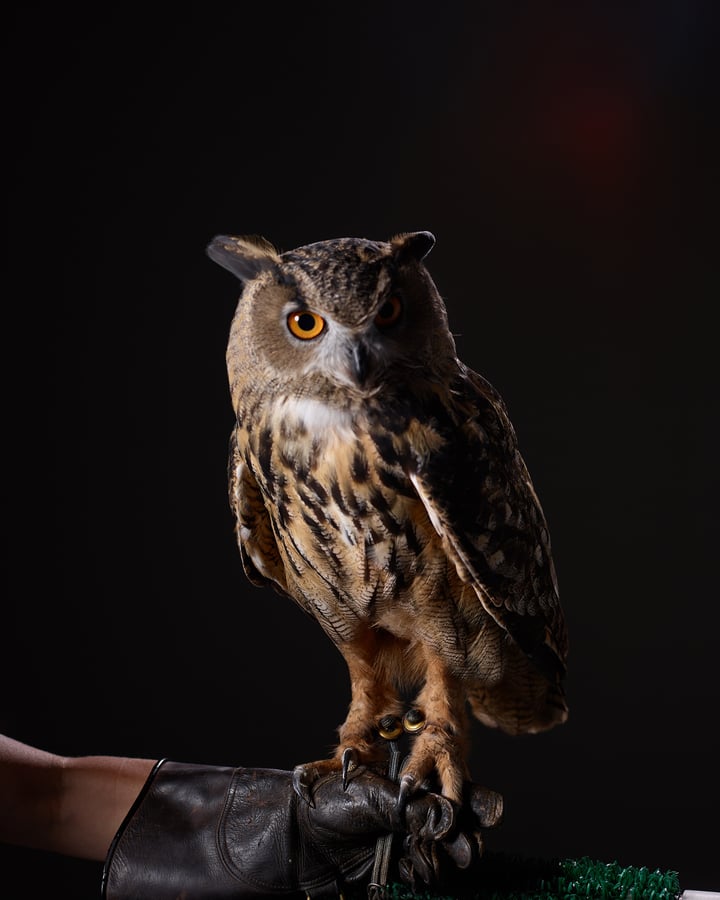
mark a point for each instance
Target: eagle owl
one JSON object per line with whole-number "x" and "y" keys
{"x": 376, "y": 480}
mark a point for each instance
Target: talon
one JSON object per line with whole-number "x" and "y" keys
{"x": 301, "y": 785}
{"x": 407, "y": 783}
{"x": 349, "y": 762}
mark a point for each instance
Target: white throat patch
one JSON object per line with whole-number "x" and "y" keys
{"x": 316, "y": 417}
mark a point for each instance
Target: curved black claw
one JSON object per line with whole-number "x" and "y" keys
{"x": 350, "y": 761}
{"x": 302, "y": 780}
{"x": 407, "y": 783}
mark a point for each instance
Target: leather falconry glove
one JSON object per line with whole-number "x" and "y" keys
{"x": 201, "y": 832}
{"x": 452, "y": 861}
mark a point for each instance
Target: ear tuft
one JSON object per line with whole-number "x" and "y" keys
{"x": 246, "y": 257}
{"x": 413, "y": 245}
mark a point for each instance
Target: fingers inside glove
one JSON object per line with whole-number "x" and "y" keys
{"x": 368, "y": 805}
{"x": 486, "y": 805}
{"x": 430, "y": 817}
{"x": 460, "y": 850}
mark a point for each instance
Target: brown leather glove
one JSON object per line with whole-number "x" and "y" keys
{"x": 201, "y": 832}
{"x": 451, "y": 862}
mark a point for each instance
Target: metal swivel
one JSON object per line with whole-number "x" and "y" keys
{"x": 414, "y": 720}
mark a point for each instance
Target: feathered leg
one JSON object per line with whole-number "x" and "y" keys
{"x": 373, "y": 696}
{"x": 442, "y": 746}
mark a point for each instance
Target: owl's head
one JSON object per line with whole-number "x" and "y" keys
{"x": 349, "y": 313}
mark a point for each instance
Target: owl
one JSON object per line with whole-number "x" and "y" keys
{"x": 376, "y": 481}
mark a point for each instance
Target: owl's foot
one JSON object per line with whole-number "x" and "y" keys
{"x": 348, "y": 763}
{"x": 435, "y": 751}
{"x": 305, "y": 775}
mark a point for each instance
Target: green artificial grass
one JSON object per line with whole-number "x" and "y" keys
{"x": 510, "y": 878}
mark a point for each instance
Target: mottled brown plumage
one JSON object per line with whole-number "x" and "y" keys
{"x": 376, "y": 481}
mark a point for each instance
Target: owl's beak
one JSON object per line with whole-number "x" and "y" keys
{"x": 360, "y": 364}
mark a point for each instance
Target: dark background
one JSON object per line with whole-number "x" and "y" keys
{"x": 566, "y": 158}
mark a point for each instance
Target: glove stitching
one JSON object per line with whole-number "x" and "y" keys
{"x": 228, "y": 863}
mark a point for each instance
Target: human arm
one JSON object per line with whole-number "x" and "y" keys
{"x": 211, "y": 831}
{"x": 68, "y": 805}
{"x": 204, "y": 832}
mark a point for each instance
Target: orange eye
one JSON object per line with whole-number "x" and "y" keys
{"x": 305, "y": 324}
{"x": 389, "y": 312}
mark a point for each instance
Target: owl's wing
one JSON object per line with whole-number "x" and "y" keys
{"x": 256, "y": 540}
{"x": 479, "y": 497}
